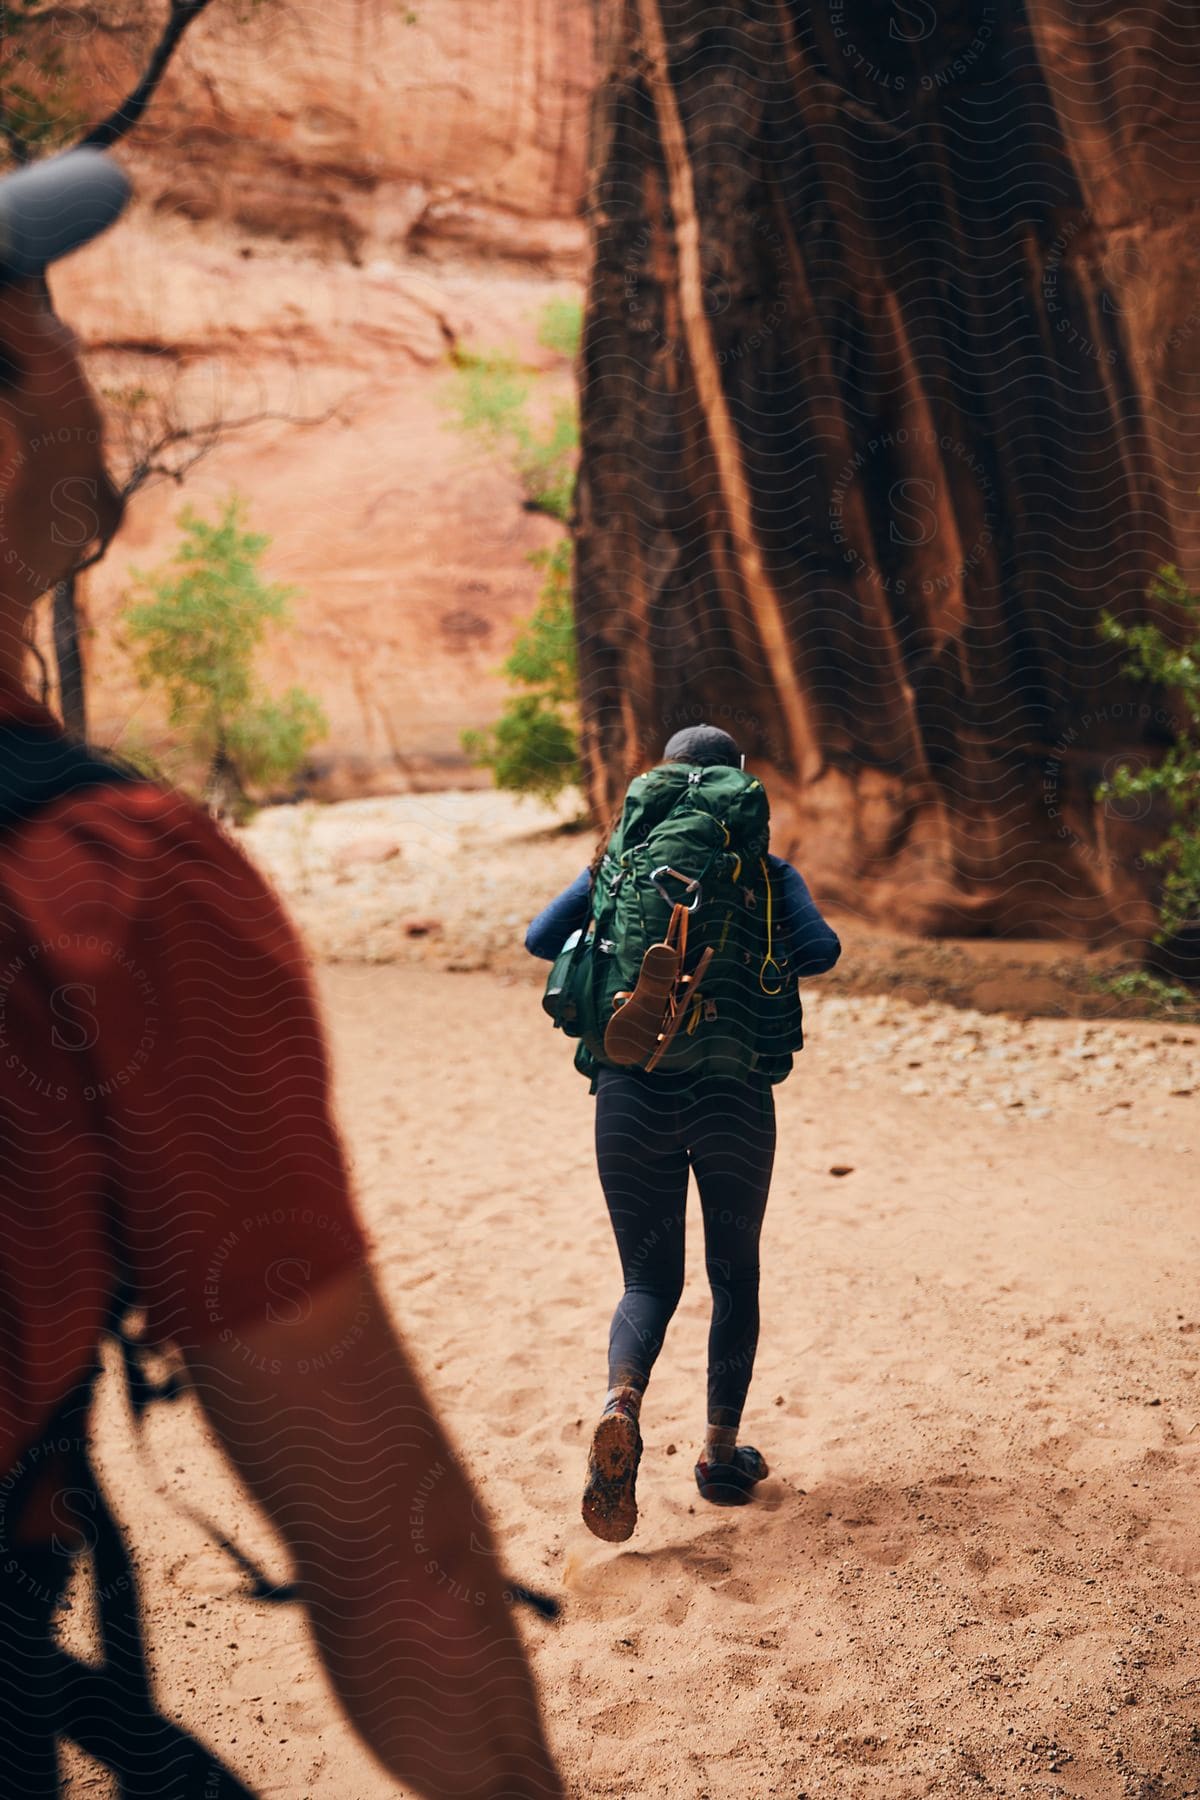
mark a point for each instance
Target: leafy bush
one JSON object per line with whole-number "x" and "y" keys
{"x": 194, "y": 635}
{"x": 546, "y": 464}
{"x": 40, "y": 85}
{"x": 1140, "y": 984}
{"x": 534, "y": 746}
{"x": 491, "y": 399}
{"x": 270, "y": 741}
{"x": 561, "y": 327}
{"x": 489, "y": 396}
{"x": 1176, "y": 777}
{"x": 530, "y": 750}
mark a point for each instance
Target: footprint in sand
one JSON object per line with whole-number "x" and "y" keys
{"x": 1175, "y": 1556}
{"x": 1008, "y": 1603}
{"x": 626, "y": 1716}
{"x": 745, "y": 1671}
{"x": 510, "y": 1418}
{"x": 628, "y": 1580}
{"x": 735, "y": 1589}
{"x": 863, "y": 1750}
{"x": 677, "y": 1609}
{"x": 709, "y": 1568}
{"x": 885, "y": 1550}
{"x": 614, "y": 1582}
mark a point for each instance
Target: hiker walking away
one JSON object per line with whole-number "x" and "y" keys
{"x": 168, "y": 1144}
{"x": 677, "y": 955}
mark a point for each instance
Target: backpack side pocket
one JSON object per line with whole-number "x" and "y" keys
{"x": 561, "y": 996}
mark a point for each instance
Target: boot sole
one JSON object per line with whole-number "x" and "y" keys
{"x": 609, "y": 1506}
{"x": 633, "y": 1030}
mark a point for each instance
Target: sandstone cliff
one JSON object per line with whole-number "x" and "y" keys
{"x": 891, "y": 357}
{"x": 330, "y": 197}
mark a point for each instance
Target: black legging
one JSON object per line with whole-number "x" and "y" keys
{"x": 649, "y": 1130}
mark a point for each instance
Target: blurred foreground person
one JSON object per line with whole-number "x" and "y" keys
{"x": 167, "y": 1146}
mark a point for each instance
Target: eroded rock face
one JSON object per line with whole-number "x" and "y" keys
{"x": 378, "y": 129}
{"x": 892, "y": 344}
{"x": 329, "y": 200}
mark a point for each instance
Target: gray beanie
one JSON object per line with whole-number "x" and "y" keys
{"x": 703, "y": 744}
{"x": 52, "y": 207}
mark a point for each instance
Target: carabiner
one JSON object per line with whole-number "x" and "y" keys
{"x": 689, "y": 884}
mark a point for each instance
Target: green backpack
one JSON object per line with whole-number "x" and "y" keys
{"x": 697, "y": 836}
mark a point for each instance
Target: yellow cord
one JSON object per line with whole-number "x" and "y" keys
{"x": 768, "y": 960}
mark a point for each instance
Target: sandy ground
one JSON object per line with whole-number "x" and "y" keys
{"x": 974, "y": 1569}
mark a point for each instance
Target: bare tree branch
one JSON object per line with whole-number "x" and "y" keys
{"x": 157, "y": 445}
{"x": 151, "y": 461}
{"x": 122, "y": 121}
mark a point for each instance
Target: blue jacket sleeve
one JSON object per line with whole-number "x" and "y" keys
{"x": 815, "y": 945}
{"x": 554, "y": 925}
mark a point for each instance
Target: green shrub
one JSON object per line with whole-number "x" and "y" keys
{"x": 1176, "y": 777}
{"x": 195, "y": 631}
{"x": 534, "y": 746}
{"x": 491, "y": 398}
{"x": 270, "y": 742}
{"x": 546, "y": 464}
{"x": 531, "y": 749}
{"x": 1140, "y": 984}
{"x": 41, "y": 84}
{"x": 561, "y": 327}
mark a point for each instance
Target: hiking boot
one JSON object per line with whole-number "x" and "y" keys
{"x": 732, "y": 1483}
{"x": 633, "y": 1030}
{"x": 609, "y": 1500}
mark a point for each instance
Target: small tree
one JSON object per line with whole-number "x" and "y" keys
{"x": 534, "y": 746}
{"x": 149, "y": 438}
{"x": 1176, "y": 777}
{"x": 194, "y": 635}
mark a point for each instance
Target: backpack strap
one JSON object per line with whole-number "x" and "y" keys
{"x": 39, "y": 765}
